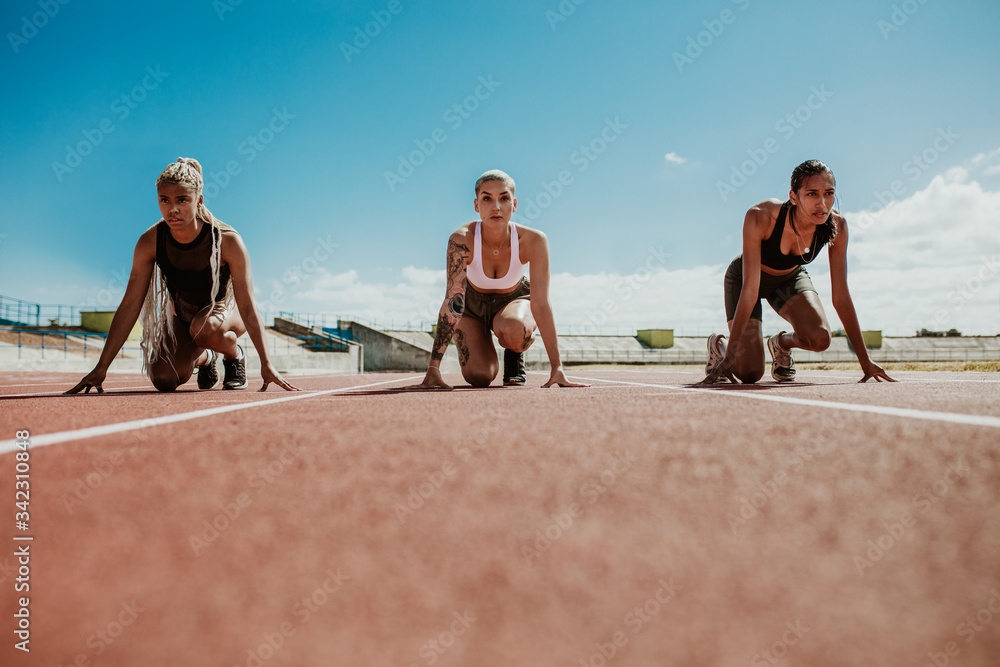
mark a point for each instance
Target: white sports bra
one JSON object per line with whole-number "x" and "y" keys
{"x": 474, "y": 271}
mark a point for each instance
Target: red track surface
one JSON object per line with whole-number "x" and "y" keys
{"x": 550, "y": 522}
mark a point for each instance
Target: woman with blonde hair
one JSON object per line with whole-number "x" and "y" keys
{"x": 191, "y": 282}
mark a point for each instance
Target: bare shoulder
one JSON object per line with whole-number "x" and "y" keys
{"x": 466, "y": 231}
{"x": 146, "y": 245}
{"x": 527, "y": 235}
{"x": 762, "y": 216}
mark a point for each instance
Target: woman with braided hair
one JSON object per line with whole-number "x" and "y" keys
{"x": 191, "y": 282}
{"x": 778, "y": 240}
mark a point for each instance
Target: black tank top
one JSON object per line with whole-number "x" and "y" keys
{"x": 187, "y": 269}
{"x": 770, "y": 248}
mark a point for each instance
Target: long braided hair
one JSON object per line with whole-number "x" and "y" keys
{"x": 187, "y": 173}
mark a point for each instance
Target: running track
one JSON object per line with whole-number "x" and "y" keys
{"x": 645, "y": 519}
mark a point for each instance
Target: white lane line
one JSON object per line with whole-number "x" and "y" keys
{"x": 8, "y": 446}
{"x": 952, "y": 417}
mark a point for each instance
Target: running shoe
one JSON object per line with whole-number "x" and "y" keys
{"x": 208, "y": 375}
{"x": 716, "y": 351}
{"x": 236, "y": 371}
{"x": 782, "y": 366}
{"x": 513, "y": 368}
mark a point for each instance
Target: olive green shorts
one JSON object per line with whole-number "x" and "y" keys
{"x": 776, "y": 289}
{"x": 484, "y": 306}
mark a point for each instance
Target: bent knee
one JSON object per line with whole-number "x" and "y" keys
{"x": 750, "y": 377}
{"x": 165, "y": 384}
{"x": 817, "y": 340}
{"x": 478, "y": 378}
{"x": 515, "y": 336}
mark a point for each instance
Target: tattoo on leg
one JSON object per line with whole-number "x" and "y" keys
{"x": 463, "y": 348}
{"x": 528, "y": 339}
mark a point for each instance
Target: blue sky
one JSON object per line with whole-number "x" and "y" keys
{"x": 309, "y": 118}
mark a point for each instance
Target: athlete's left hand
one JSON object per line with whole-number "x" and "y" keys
{"x": 269, "y": 375}
{"x": 559, "y": 377}
{"x": 873, "y": 370}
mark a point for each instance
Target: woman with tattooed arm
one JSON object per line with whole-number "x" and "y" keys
{"x": 487, "y": 291}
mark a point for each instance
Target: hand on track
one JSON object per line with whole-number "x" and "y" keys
{"x": 93, "y": 379}
{"x": 432, "y": 380}
{"x": 873, "y": 370}
{"x": 558, "y": 377}
{"x": 269, "y": 375}
{"x": 722, "y": 371}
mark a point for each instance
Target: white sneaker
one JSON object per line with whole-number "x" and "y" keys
{"x": 782, "y": 366}
{"x": 716, "y": 351}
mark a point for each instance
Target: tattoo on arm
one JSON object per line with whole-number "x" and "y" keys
{"x": 445, "y": 329}
{"x": 454, "y": 305}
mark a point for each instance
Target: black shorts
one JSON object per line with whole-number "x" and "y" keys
{"x": 484, "y": 306}
{"x": 776, "y": 289}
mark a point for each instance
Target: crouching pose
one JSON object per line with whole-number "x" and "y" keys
{"x": 778, "y": 239}
{"x": 488, "y": 291}
{"x": 191, "y": 282}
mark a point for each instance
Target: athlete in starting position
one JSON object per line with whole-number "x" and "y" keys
{"x": 778, "y": 239}
{"x": 191, "y": 281}
{"x": 487, "y": 291}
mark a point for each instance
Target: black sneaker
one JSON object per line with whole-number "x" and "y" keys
{"x": 236, "y": 372}
{"x": 513, "y": 368}
{"x": 208, "y": 375}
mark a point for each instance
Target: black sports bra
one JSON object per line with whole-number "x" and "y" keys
{"x": 770, "y": 248}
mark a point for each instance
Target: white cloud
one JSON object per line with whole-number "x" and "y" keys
{"x": 675, "y": 158}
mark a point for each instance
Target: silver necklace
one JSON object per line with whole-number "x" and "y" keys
{"x": 497, "y": 252}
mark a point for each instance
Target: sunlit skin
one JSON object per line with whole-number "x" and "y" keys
{"x": 515, "y": 325}
{"x": 744, "y": 355}
{"x": 179, "y": 206}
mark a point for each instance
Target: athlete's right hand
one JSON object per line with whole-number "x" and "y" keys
{"x": 722, "y": 371}
{"x": 93, "y": 379}
{"x": 432, "y": 380}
